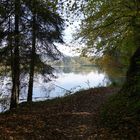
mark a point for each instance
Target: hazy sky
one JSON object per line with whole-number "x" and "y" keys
{"x": 68, "y": 38}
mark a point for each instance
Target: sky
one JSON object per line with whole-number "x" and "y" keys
{"x": 68, "y": 37}
{"x": 69, "y": 48}
{"x": 71, "y": 45}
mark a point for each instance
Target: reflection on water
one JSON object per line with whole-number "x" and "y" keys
{"x": 69, "y": 80}
{"x": 78, "y": 69}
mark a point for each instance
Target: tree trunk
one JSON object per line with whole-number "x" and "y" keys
{"x": 32, "y": 63}
{"x": 132, "y": 83}
{"x": 10, "y": 45}
{"x": 16, "y": 64}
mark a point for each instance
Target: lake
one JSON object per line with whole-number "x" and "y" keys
{"x": 67, "y": 81}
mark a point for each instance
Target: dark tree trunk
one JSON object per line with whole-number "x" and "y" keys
{"x": 16, "y": 64}
{"x": 132, "y": 83}
{"x": 32, "y": 63}
{"x": 10, "y": 45}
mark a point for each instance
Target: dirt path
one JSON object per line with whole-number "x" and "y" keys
{"x": 74, "y": 117}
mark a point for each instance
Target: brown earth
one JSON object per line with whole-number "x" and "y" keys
{"x": 75, "y": 117}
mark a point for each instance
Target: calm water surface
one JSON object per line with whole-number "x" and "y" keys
{"x": 70, "y": 79}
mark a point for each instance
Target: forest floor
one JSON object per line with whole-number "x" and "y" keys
{"x": 74, "y": 117}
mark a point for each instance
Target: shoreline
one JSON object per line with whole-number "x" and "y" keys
{"x": 74, "y": 117}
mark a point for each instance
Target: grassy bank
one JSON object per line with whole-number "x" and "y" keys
{"x": 75, "y": 117}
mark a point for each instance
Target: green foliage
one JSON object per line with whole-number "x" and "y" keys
{"x": 109, "y": 26}
{"x": 21, "y": 22}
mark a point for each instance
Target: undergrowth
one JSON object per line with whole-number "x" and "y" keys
{"x": 120, "y": 110}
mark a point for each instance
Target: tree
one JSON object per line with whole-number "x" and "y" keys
{"x": 107, "y": 25}
{"x": 10, "y": 42}
{"x": 22, "y": 27}
{"x": 114, "y": 26}
{"x": 46, "y": 27}
{"x": 16, "y": 58}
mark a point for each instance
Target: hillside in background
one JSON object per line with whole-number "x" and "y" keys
{"x": 76, "y": 61}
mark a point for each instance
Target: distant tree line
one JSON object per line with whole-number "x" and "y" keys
{"x": 74, "y": 61}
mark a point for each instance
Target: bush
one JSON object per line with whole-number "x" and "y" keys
{"x": 120, "y": 109}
